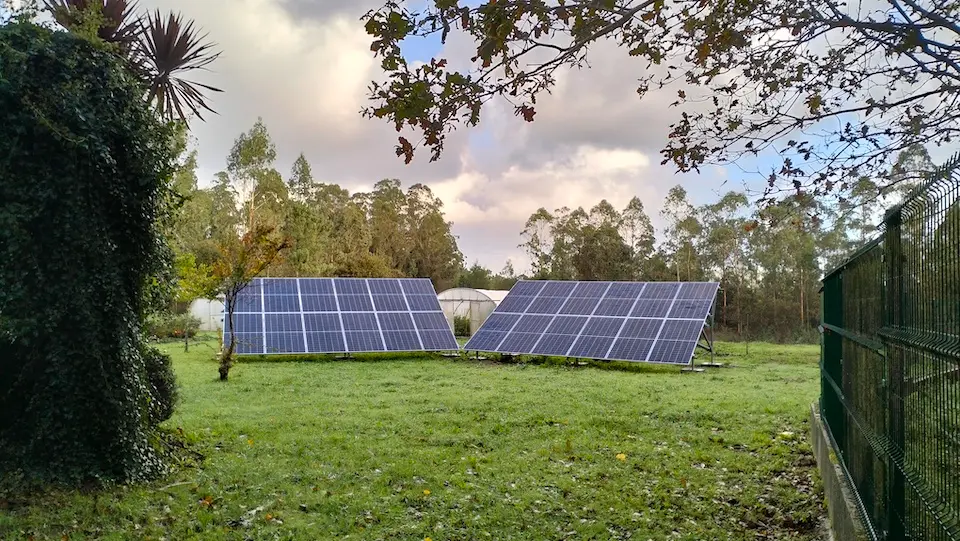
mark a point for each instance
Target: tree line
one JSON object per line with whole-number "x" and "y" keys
{"x": 386, "y": 232}
{"x": 768, "y": 259}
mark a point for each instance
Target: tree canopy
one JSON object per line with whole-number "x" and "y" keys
{"x": 833, "y": 91}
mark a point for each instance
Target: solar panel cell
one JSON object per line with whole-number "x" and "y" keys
{"x": 245, "y": 322}
{"x": 384, "y": 286}
{"x": 631, "y": 349}
{"x": 247, "y": 303}
{"x": 283, "y": 323}
{"x": 355, "y": 303}
{"x": 614, "y": 307}
{"x": 350, "y": 286}
{"x": 641, "y": 328}
{"x": 602, "y": 326}
{"x": 360, "y": 341}
{"x": 651, "y": 308}
{"x": 279, "y": 286}
{"x": 396, "y": 321}
{"x": 434, "y": 340}
{"x": 660, "y": 290}
{"x": 517, "y": 304}
{"x": 417, "y": 286}
{"x": 389, "y": 303}
{"x": 430, "y": 321}
{"x": 554, "y": 344}
{"x": 527, "y": 287}
{"x": 401, "y": 340}
{"x": 281, "y": 303}
{"x": 285, "y": 342}
{"x": 672, "y": 351}
{"x": 322, "y": 322}
{"x": 698, "y": 291}
{"x": 319, "y": 303}
{"x": 687, "y": 309}
{"x": 316, "y": 286}
{"x": 580, "y": 305}
{"x": 485, "y": 340}
{"x": 532, "y": 323}
{"x": 359, "y": 321}
{"x": 557, "y": 289}
{"x": 546, "y": 305}
{"x": 590, "y": 289}
{"x": 567, "y": 325}
{"x": 423, "y": 303}
{"x": 325, "y": 342}
{"x": 591, "y": 347}
{"x": 519, "y": 342}
{"x": 500, "y": 322}
{"x": 248, "y": 343}
{"x": 681, "y": 329}
{"x": 624, "y": 290}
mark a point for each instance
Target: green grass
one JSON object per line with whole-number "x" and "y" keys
{"x": 452, "y": 449}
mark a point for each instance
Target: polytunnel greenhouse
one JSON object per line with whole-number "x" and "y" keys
{"x": 475, "y": 304}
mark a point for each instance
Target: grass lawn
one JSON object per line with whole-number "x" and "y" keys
{"x": 416, "y": 448}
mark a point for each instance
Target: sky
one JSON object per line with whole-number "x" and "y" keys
{"x": 304, "y": 67}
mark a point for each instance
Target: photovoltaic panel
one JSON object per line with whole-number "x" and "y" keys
{"x": 656, "y": 322}
{"x": 339, "y": 315}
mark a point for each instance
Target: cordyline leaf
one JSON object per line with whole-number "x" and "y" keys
{"x": 167, "y": 49}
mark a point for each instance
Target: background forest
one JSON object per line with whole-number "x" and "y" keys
{"x": 768, "y": 258}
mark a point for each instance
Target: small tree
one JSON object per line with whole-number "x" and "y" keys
{"x": 241, "y": 260}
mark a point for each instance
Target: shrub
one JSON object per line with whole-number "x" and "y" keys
{"x": 162, "y": 384}
{"x": 461, "y": 326}
{"x": 162, "y": 326}
{"x": 84, "y": 173}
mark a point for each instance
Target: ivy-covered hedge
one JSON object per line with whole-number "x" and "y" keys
{"x": 83, "y": 166}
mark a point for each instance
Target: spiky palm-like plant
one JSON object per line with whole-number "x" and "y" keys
{"x": 158, "y": 48}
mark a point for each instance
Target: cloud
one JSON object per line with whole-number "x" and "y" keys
{"x": 304, "y": 66}
{"x": 307, "y": 76}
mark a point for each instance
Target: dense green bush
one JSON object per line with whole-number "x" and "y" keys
{"x": 461, "y": 326}
{"x": 162, "y": 384}
{"x": 172, "y": 326}
{"x": 84, "y": 169}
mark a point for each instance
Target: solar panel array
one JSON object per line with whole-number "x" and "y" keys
{"x": 339, "y": 315}
{"x": 656, "y": 322}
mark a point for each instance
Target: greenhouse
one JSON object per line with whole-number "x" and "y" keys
{"x": 475, "y": 304}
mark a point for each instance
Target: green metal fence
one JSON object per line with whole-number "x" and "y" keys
{"x": 890, "y": 366}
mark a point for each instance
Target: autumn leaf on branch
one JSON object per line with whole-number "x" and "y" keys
{"x": 526, "y": 112}
{"x": 882, "y": 85}
{"x": 405, "y": 149}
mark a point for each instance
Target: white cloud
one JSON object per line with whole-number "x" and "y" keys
{"x": 582, "y": 179}
{"x": 304, "y": 66}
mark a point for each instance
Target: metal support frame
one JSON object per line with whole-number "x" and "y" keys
{"x": 708, "y": 339}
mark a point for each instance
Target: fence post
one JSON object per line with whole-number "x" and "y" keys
{"x": 893, "y": 318}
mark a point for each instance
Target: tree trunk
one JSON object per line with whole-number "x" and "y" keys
{"x": 186, "y": 341}
{"x": 801, "y": 297}
{"x": 226, "y": 358}
{"x": 740, "y": 307}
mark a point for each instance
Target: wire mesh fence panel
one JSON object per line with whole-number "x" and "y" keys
{"x": 890, "y": 366}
